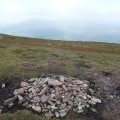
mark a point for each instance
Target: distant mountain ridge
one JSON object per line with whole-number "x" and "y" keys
{"x": 52, "y": 30}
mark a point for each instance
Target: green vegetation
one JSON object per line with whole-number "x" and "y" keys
{"x": 32, "y": 57}
{"x": 25, "y": 58}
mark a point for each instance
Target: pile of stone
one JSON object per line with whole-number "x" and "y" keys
{"x": 54, "y": 96}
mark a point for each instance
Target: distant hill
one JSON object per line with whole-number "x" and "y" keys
{"x": 34, "y": 28}
{"x": 55, "y": 30}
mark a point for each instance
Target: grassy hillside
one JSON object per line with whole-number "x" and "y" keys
{"x": 23, "y": 58}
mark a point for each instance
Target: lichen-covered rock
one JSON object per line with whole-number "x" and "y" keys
{"x": 79, "y": 82}
{"x": 64, "y": 87}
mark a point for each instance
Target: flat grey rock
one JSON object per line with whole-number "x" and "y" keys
{"x": 24, "y": 84}
{"x": 63, "y": 113}
{"x": 62, "y": 78}
{"x": 49, "y": 114}
{"x": 94, "y": 101}
{"x": 55, "y": 83}
{"x": 11, "y": 104}
{"x": 32, "y": 80}
{"x": 19, "y": 91}
{"x": 37, "y": 99}
{"x": 21, "y": 99}
{"x": 44, "y": 98}
{"x": 44, "y": 90}
{"x": 63, "y": 105}
{"x": 36, "y": 109}
{"x": 58, "y": 102}
{"x": 3, "y": 85}
{"x": 57, "y": 115}
{"x": 26, "y": 105}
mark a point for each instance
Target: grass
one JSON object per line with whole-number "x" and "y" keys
{"x": 25, "y": 58}
{"x": 21, "y": 115}
{"x": 32, "y": 57}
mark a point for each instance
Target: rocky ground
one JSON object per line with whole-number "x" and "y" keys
{"x": 54, "y": 96}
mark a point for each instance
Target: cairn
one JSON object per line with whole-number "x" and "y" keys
{"x": 54, "y": 96}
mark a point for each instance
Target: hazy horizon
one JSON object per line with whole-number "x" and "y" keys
{"x": 73, "y": 19}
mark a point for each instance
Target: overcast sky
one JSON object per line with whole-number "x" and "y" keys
{"x": 78, "y": 11}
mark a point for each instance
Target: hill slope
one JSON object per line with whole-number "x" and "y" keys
{"x": 23, "y": 58}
